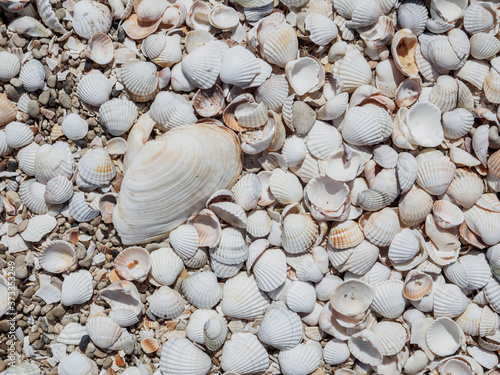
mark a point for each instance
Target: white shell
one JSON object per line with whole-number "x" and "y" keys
{"x": 305, "y": 75}
{"x": 77, "y": 363}
{"x": 303, "y": 359}
{"x": 100, "y": 48}
{"x": 322, "y": 30}
{"x": 91, "y": 17}
{"x": 140, "y": 79}
{"x": 11, "y": 65}
{"x": 244, "y": 354}
{"x": 118, "y": 115}
{"x": 26, "y": 158}
{"x": 242, "y": 298}
{"x": 179, "y": 356}
{"x": 80, "y": 209}
{"x": 94, "y": 88}
{"x": 77, "y": 288}
{"x": 38, "y": 227}
{"x": 366, "y": 347}
{"x": 31, "y": 193}
{"x": 239, "y": 67}
{"x": 202, "y": 66}
{"x": 103, "y": 331}
{"x": 96, "y": 167}
{"x": 58, "y": 257}
{"x": 202, "y": 289}
{"x": 166, "y": 303}
{"x": 280, "y": 327}
{"x": 444, "y": 337}
{"x": 133, "y": 263}
{"x": 171, "y": 110}
{"x": 33, "y": 75}
{"x": 74, "y": 127}
{"x": 18, "y": 134}
{"x": 185, "y": 241}
{"x": 424, "y": 124}
{"x": 166, "y": 265}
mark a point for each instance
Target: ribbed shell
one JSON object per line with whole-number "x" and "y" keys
{"x": 179, "y": 356}
{"x": 166, "y": 303}
{"x": 244, "y": 354}
{"x": 94, "y": 88}
{"x": 354, "y": 70}
{"x": 281, "y": 46}
{"x": 280, "y": 327}
{"x": 202, "y": 289}
{"x": 166, "y": 265}
{"x": 48, "y": 16}
{"x": 18, "y": 135}
{"x": 26, "y": 158}
{"x": 31, "y": 193}
{"x": 242, "y": 298}
{"x": 77, "y": 288}
{"x": 74, "y": 127}
{"x": 10, "y": 65}
{"x": 202, "y": 67}
{"x": 8, "y": 109}
{"x": 80, "y": 209}
{"x": 91, "y": 17}
{"x": 96, "y": 167}
{"x": 77, "y": 363}
{"x": 53, "y": 160}
{"x": 58, "y": 190}
{"x": 171, "y": 110}
{"x": 118, "y": 115}
{"x": 140, "y": 79}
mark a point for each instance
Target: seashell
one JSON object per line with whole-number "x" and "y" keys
{"x": 305, "y": 75}
{"x": 345, "y": 235}
{"x": 116, "y": 146}
{"x": 32, "y": 75}
{"x": 166, "y": 303}
{"x": 32, "y": 195}
{"x": 18, "y": 135}
{"x": 38, "y": 227}
{"x": 171, "y": 110}
{"x": 242, "y": 298}
{"x": 53, "y": 160}
{"x": 280, "y": 43}
{"x": 272, "y": 92}
{"x": 179, "y": 354}
{"x": 299, "y": 233}
{"x": 231, "y": 249}
{"x": 170, "y": 53}
{"x": 258, "y": 224}
{"x": 74, "y": 127}
{"x": 77, "y": 363}
{"x": 208, "y": 227}
{"x": 417, "y": 285}
{"x": 202, "y": 66}
{"x": 29, "y": 26}
{"x": 91, "y": 17}
{"x": 327, "y": 199}
{"x": 26, "y": 158}
{"x": 58, "y": 257}
{"x": 392, "y": 337}
{"x": 380, "y": 227}
{"x": 484, "y": 357}
{"x": 140, "y": 79}
{"x": 353, "y": 70}
{"x": 285, "y": 187}
{"x": 11, "y": 65}
{"x": 484, "y": 223}
{"x": 215, "y": 332}
{"x": 366, "y": 347}
{"x": 335, "y": 352}
{"x": 484, "y": 46}
{"x": 357, "y": 260}
{"x": 133, "y": 263}
{"x": 465, "y": 188}
{"x": 244, "y": 354}
{"x": 210, "y": 102}
{"x": 71, "y": 334}
{"x": 424, "y": 124}
{"x": 449, "y": 301}
{"x": 300, "y": 297}
{"x": 444, "y": 337}
{"x": 389, "y": 300}
{"x": 405, "y": 246}
{"x": 478, "y": 18}
{"x": 352, "y": 297}
{"x": 407, "y": 168}
{"x": 118, "y": 115}
{"x": 446, "y": 214}
{"x": 403, "y": 48}
{"x": 150, "y": 10}
{"x": 166, "y": 265}
{"x": 185, "y": 241}
{"x": 457, "y": 123}
{"x": 136, "y": 29}
{"x": 94, "y": 88}
{"x": 77, "y": 288}
{"x": 100, "y": 49}
{"x": 122, "y": 295}
{"x": 474, "y": 72}
{"x": 280, "y": 327}
{"x": 80, "y": 209}
{"x": 134, "y": 177}
{"x": 303, "y": 359}
{"x": 323, "y": 139}
{"x": 435, "y": 172}
{"x": 195, "y": 326}
{"x": 321, "y": 29}
{"x": 413, "y": 15}
{"x": 224, "y": 17}
{"x": 270, "y": 270}
{"x": 366, "y": 125}
{"x": 202, "y": 290}
{"x": 96, "y": 167}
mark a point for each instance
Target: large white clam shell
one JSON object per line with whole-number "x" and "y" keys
{"x": 206, "y": 140}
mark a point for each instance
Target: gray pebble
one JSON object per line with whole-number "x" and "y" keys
{"x": 36, "y": 54}
{"x": 21, "y": 270}
{"x": 304, "y": 118}
{"x": 65, "y": 100}
{"x": 16, "y": 82}
{"x": 52, "y": 81}
{"x": 33, "y": 109}
{"x": 58, "y": 311}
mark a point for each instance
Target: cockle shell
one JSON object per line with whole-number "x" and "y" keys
{"x": 206, "y": 138}
{"x": 32, "y": 193}
{"x": 18, "y": 135}
{"x": 444, "y": 337}
{"x": 171, "y": 110}
{"x": 94, "y": 88}
{"x": 279, "y": 319}
{"x": 96, "y": 167}
{"x": 242, "y": 298}
{"x": 11, "y": 65}
{"x": 74, "y": 127}
{"x": 103, "y": 331}
{"x": 100, "y": 48}
{"x": 179, "y": 354}
{"x": 53, "y": 160}
{"x": 166, "y": 303}
{"x": 202, "y": 290}
{"x": 366, "y": 347}
{"x": 403, "y": 47}
{"x": 77, "y": 364}
{"x": 166, "y": 265}
{"x": 77, "y": 288}
{"x": 133, "y": 263}
{"x": 244, "y": 354}
{"x": 118, "y": 115}
{"x": 58, "y": 257}
{"x": 32, "y": 75}
{"x": 91, "y": 17}
{"x": 38, "y": 227}
{"x": 140, "y": 79}
{"x": 29, "y": 26}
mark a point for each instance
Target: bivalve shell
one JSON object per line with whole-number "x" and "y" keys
{"x": 94, "y": 88}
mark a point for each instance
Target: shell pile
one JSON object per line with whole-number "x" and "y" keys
{"x": 249, "y": 187}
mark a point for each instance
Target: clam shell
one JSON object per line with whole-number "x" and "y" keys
{"x": 80, "y": 209}
{"x": 444, "y": 337}
{"x": 424, "y": 124}
{"x": 181, "y": 356}
{"x": 335, "y": 352}
{"x": 166, "y": 303}
{"x": 136, "y": 29}
{"x": 449, "y": 301}
{"x": 8, "y": 110}
{"x": 366, "y": 347}
{"x": 352, "y": 297}
{"x": 478, "y": 18}
{"x": 208, "y": 227}
{"x": 29, "y": 26}
{"x": 285, "y": 187}
{"x": 389, "y": 300}
{"x": 166, "y": 265}
{"x": 91, "y": 17}
{"x": 140, "y": 79}
{"x": 38, "y": 227}
{"x": 135, "y": 176}
{"x": 71, "y": 334}
{"x": 100, "y": 49}
{"x": 280, "y": 46}
{"x": 484, "y": 223}
{"x": 239, "y": 67}
{"x": 53, "y": 160}
{"x": 242, "y": 298}
{"x": 322, "y": 30}
{"x": 413, "y": 15}
{"x": 302, "y": 359}
{"x": 58, "y": 257}
{"x": 185, "y": 241}
{"x": 366, "y": 125}
{"x": 133, "y": 263}
{"x": 446, "y": 214}
{"x": 305, "y": 75}
{"x": 270, "y": 269}
{"x": 77, "y": 288}
{"x": 195, "y": 326}
{"x": 11, "y": 65}
{"x": 94, "y": 88}
{"x": 244, "y": 354}
{"x": 457, "y": 123}
{"x": 231, "y": 249}
{"x": 280, "y": 327}
{"x": 32, "y": 75}
{"x": 380, "y": 227}
{"x": 345, "y": 235}
{"x": 202, "y": 290}
{"x": 484, "y": 46}
{"x": 474, "y": 72}
{"x": 150, "y": 10}
{"x": 210, "y": 102}
{"x": 74, "y": 127}
{"x": 171, "y": 110}
{"x": 300, "y": 297}
{"x": 354, "y": 70}
{"x": 465, "y": 188}
{"x": 77, "y": 363}
{"x": 32, "y": 195}
{"x": 26, "y": 158}
{"x": 215, "y": 332}
{"x": 299, "y": 233}
{"x": 436, "y": 174}
{"x": 118, "y": 115}
{"x": 96, "y": 167}
{"x": 417, "y": 285}
{"x": 392, "y": 337}
{"x": 202, "y": 66}
{"x": 122, "y": 295}
{"x": 18, "y": 135}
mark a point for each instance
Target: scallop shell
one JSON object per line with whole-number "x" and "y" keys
{"x": 77, "y": 363}
{"x": 118, "y": 115}
{"x": 53, "y": 160}
{"x": 94, "y": 88}
{"x": 100, "y": 49}
{"x": 140, "y": 79}
{"x": 478, "y": 18}
{"x": 366, "y": 125}
{"x": 389, "y": 300}
{"x": 103, "y": 331}
{"x": 18, "y": 135}
{"x": 166, "y": 265}
{"x": 244, "y": 354}
{"x": 198, "y": 134}
{"x": 38, "y": 227}
{"x": 354, "y": 70}
{"x": 179, "y": 354}
{"x": 32, "y": 195}
{"x": 215, "y": 332}
{"x": 202, "y": 290}
{"x": 58, "y": 257}
{"x": 171, "y": 110}
{"x": 11, "y": 65}
{"x": 96, "y": 167}
{"x": 276, "y": 321}
{"x": 77, "y": 288}
{"x": 32, "y": 75}
{"x": 166, "y": 303}
{"x": 133, "y": 263}
{"x": 242, "y": 298}
{"x": 91, "y": 17}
